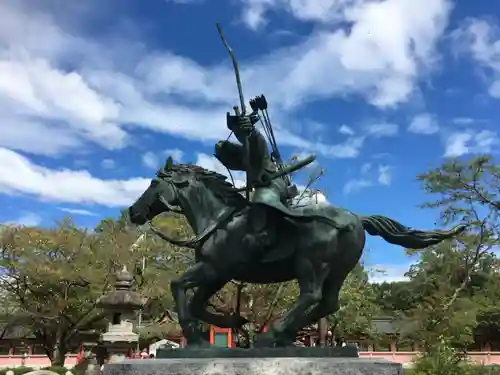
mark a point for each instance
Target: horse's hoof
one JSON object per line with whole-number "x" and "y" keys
{"x": 265, "y": 340}
{"x": 264, "y": 344}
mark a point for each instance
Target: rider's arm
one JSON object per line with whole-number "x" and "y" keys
{"x": 230, "y": 155}
{"x": 258, "y": 151}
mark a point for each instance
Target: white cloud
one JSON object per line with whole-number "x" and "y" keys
{"x": 344, "y": 129}
{"x": 369, "y": 177}
{"x": 31, "y": 86}
{"x": 176, "y": 154}
{"x": 24, "y": 135}
{"x": 377, "y": 59}
{"x": 470, "y": 142}
{"x": 77, "y": 211}
{"x": 150, "y": 160}
{"x": 384, "y": 175}
{"x": 366, "y": 168}
{"x": 394, "y": 52}
{"x": 309, "y": 196}
{"x": 19, "y": 175}
{"x": 423, "y": 124}
{"x": 153, "y": 160}
{"x": 28, "y": 219}
{"x": 356, "y": 185}
{"x": 211, "y": 163}
{"x": 95, "y": 102}
{"x": 382, "y": 129}
{"x": 380, "y": 273}
{"x": 108, "y": 163}
{"x": 464, "y": 120}
{"x": 481, "y": 39}
{"x": 103, "y": 97}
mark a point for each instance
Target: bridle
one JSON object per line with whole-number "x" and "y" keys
{"x": 193, "y": 242}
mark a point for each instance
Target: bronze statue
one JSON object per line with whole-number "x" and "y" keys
{"x": 322, "y": 245}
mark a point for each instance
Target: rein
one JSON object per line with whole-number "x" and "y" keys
{"x": 196, "y": 241}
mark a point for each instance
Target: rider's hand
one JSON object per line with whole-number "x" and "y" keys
{"x": 239, "y": 123}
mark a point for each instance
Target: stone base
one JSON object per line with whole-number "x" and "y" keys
{"x": 254, "y": 366}
{"x": 349, "y": 351}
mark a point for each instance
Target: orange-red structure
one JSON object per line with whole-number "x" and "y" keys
{"x": 227, "y": 332}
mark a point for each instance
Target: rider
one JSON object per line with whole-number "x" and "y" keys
{"x": 268, "y": 193}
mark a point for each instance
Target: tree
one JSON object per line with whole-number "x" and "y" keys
{"x": 54, "y": 277}
{"x": 161, "y": 263}
{"x": 439, "y": 314}
{"x": 358, "y": 306}
{"x": 394, "y": 297}
{"x": 467, "y": 192}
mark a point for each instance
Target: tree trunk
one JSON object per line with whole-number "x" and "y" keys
{"x": 58, "y": 354}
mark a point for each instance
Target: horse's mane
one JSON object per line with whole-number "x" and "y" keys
{"x": 217, "y": 183}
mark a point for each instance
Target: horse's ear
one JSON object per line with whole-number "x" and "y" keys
{"x": 169, "y": 163}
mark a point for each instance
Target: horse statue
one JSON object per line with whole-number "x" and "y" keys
{"x": 318, "y": 247}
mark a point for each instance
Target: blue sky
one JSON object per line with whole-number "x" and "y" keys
{"x": 94, "y": 95}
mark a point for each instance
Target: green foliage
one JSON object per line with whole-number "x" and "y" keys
{"x": 442, "y": 306}
{"x": 453, "y": 283}
{"x": 54, "y": 276}
{"x": 61, "y": 370}
{"x": 357, "y": 306}
{"x": 464, "y": 370}
{"x": 17, "y": 370}
{"x": 441, "y": 359}
{"x": 395, "y": 297}
{"x": 24, "y": 370}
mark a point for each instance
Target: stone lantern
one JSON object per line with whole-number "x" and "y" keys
{"x": 123, "y": 304}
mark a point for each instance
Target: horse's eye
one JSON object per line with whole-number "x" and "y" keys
{"x": 154, "y": 183}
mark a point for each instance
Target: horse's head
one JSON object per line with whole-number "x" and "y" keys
{"x": 161, "y": 195}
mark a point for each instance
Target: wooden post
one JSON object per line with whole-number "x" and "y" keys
{"x": 323, "y": 328}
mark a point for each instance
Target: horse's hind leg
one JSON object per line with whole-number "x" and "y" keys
{"x": 311, "y": 275}
{"x": 329, "y": 303}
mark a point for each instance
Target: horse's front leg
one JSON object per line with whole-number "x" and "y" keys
{"x": 195, "y": 276}
{"x": 199, "y": 304}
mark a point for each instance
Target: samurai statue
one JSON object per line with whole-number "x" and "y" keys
{"x": 270, "y": 196}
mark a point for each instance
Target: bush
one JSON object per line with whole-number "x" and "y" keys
{"x": 440, "y": 359}
{"x": 59, "y": 369}
{"x": 17, "y": 370}
{"x": 23, "y": 370}
{"x": 465, "y": 369}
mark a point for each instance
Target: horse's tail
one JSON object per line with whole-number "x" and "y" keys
{"x": 398, "y": 234}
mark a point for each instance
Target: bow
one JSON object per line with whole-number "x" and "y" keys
{"x": 236, "y": 109}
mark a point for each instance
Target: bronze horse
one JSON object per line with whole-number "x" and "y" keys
{"x": 318, "y": 248}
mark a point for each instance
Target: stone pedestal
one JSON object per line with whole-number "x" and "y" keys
{"x": 255, "y": 366}
{"x": 348, "y": 351}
